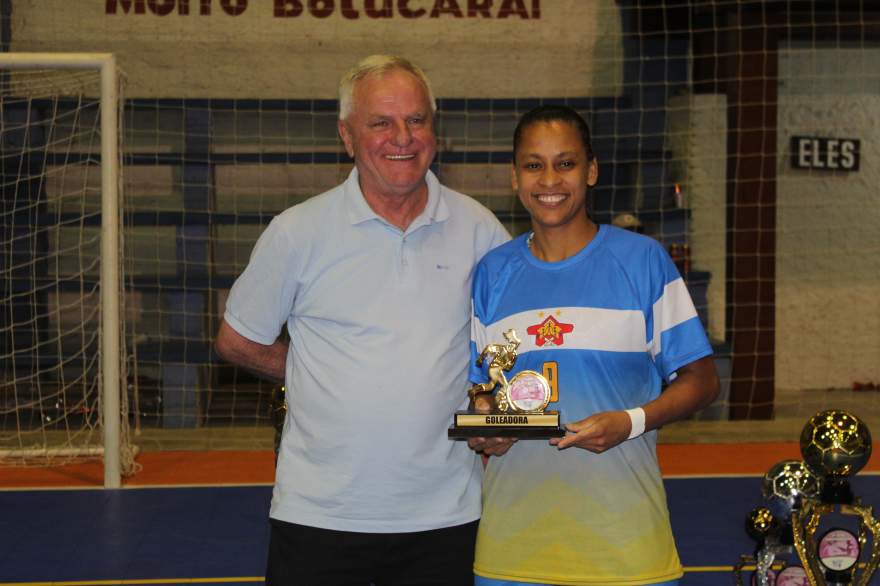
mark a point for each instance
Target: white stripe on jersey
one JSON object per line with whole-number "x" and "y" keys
{"x": 674, "y": 307}
{"x": 613, "y": 330}
{"x": 478, "y": 332}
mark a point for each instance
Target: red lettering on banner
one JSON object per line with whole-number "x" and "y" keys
{"x": 166, "y": 7}
{"x": 407, "y": 12}
{"x": 233, "y": 7}
{"x": 446, "y": 7}
{"x": 386, "y": 11}
{"x": 479, "y": 8}
{"x": 112, "y": 6}
{"x": 161, "y": 7}
{"x": 348, "y": 11}
{"x": 321, "y": 8}
{"x": 509, "y": 7}
{"x": 288, "y": 8}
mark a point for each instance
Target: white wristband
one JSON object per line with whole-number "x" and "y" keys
{"x": 637, "y": 418}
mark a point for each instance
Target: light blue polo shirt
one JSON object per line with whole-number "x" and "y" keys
{"x": 379, "y": 321}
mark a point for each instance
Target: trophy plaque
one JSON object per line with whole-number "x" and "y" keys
{"x": 792, "y": 576}
{"x": 838, "y": 553}
{"x": 836, "y": 445}
{"x": 517, "y": 407}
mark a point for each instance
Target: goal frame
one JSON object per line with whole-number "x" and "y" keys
{"x": 110, "y": 278}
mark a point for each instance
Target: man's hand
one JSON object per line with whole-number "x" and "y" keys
{"x": 491, "y": 446}
{"x": 597, "y": 433}
{"x": 488, "y": 446}
{"x": 484, "y": 402}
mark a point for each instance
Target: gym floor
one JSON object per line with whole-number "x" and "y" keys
{"x": 200, "y": 516}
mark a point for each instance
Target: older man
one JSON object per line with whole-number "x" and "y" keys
{"x": 372, "y": 279}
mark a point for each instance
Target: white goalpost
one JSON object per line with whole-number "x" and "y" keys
{"x": 77, "y": 409}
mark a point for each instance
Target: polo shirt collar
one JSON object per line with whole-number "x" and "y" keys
{"x": 359, "y": 211}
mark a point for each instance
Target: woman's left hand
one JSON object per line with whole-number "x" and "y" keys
{"x": 597, "y": 433}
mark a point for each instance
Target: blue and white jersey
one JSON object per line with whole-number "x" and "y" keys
{"x": 619, "y": 303}
{"x": 606, "y": 326}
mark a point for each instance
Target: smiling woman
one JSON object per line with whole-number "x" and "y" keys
{"x": 630, "y": 326}
{"x": 554, "y": 168}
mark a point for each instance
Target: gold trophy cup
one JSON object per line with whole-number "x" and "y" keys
{"x": 835, "y": 445}
{"x": 785, "y": 487}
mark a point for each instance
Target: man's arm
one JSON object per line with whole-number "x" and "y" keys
{"x": 264, "y": 361}
{"x": 695, "y": 387}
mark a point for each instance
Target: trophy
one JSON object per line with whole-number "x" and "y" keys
{"x": 785, "y": 487}
{"x": 517, "y": 407}
{"x": 760, "y": 525}
{"x": 836, "y": 445}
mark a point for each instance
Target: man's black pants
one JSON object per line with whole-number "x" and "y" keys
{"x": 308, "y": 556}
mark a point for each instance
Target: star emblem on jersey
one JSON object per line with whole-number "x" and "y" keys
{"x": 549, "y": 332}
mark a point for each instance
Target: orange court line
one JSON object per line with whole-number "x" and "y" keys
{"x": 733, "y": 459}
{"x": 717, "y": 459}
{"x": 177, "y": 468}
{"x": 205, "y": 467}
{"x": 182, "y": 468}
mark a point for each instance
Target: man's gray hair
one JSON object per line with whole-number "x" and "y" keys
{"x": 377, "y": 65}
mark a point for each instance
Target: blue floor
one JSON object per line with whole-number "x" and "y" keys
{"x": 221, "y": 532}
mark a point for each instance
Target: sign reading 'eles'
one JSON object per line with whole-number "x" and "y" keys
{"x": 832, "y": 154}
{"x": 347, "y": 8}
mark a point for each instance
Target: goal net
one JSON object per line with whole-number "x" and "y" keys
{"x": 59, "y": 279}
{"x": 726, "y": 130}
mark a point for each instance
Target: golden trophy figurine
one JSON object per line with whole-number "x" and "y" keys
{"x": 836, "y": 445}
{"x": 503, "y": 358}
{"x": 517, "y": 407}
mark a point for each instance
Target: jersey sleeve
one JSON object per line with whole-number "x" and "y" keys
{"x": 677, "y": 336}
{"x": 262, "y": 297}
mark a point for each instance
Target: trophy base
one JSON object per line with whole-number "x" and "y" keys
{"x": 834, "y": 577}
{"x": 519, "y": 425}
